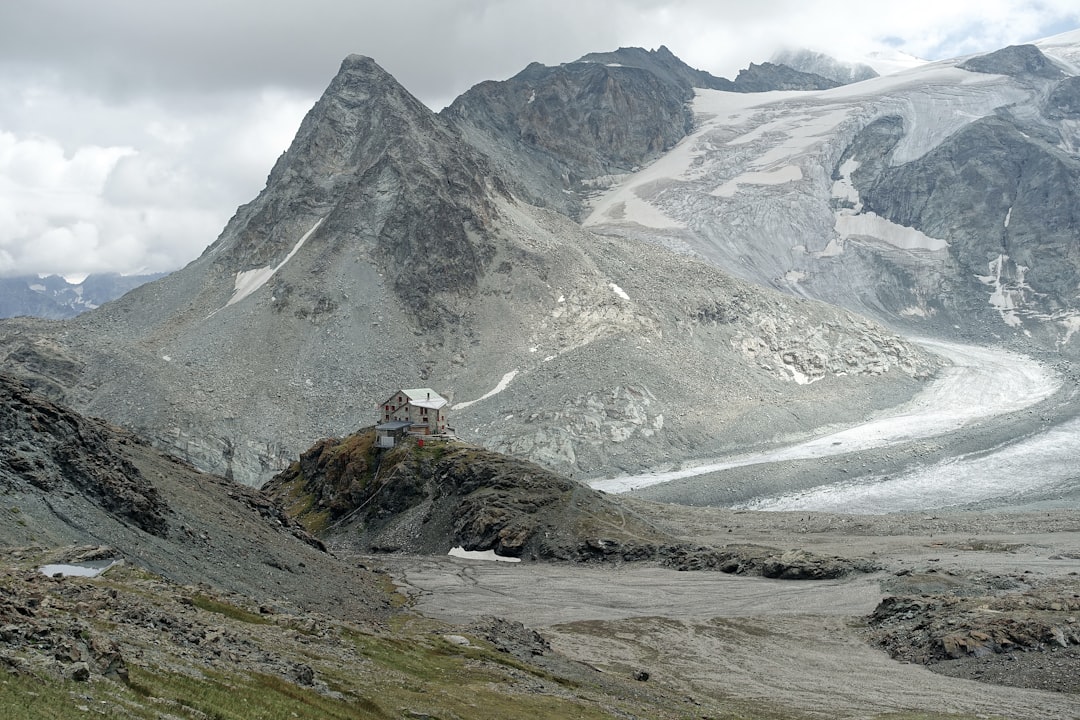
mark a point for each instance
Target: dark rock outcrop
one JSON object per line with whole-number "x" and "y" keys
{"x": 1063, "y": 102}
{"x": 58, "y": 451}
{"x": 769, "y": 76}
{"x": 430, "y": 499}
{"x": 1015, "y": 60}
{"x": 1007, "y": 206}
{"x": 551, "y": 130}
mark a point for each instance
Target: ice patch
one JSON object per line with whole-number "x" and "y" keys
{"x": 460, "y": 552}
{"x": 844, "y": 188}
{"x": 1006, "y": 297}
{"x": 873, "y": 225}
{"x": 248, "y": 281}
{"x": 785, "y": 174}
{"x": 503, "y": 384}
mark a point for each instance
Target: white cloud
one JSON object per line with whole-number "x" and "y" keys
{"x": 149, "y": 206}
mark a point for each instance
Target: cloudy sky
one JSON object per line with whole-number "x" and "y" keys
{"x": 130, "y": 130}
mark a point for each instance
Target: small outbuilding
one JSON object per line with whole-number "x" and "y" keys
{"x": 389, "y": 434}
{"x": 422, "y": 408}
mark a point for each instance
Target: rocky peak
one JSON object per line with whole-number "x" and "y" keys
{"x": 379, "y": 172}
{"x": 662, "y": 63}
{"x": 768, "y": 76}
{"x": 1016, "y": 61}
{"x": 553, "y": 131}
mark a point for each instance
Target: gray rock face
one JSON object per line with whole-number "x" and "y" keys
{"x": 58, "y": 452}
{"x": 663, "y": 64}
{"x": 1064, "y": 99}
{"x": 1015, "y": 60}
{"x": 1007, "y": 204}
{"x": 370, "y": 151}
{"x": 552, "y": 131}
{"x": 769, "y": 76}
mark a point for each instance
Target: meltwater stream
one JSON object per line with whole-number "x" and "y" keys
{"x": 981, "y": 383}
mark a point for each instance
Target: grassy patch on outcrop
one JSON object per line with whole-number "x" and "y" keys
{"x": 209, "y": 604}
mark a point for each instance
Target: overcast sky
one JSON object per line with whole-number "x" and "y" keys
{"x": 130, "y": 130}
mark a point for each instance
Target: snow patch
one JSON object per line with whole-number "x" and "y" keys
{"x": 873, "y": 225}
{"x": 92, "y": 568}
{"x": 248, "y": 281}
{"x": 1072, "y": 326}
{"x": 779, "y": 176}
{"x": 844, "y": 188}
{"x": 1006, "y": 297}
{"x": 460, "y": 552}
{"x": 503, "y": 384}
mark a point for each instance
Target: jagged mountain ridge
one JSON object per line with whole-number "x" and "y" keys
{"x": 386, "y": 251}
{"x": 55, "y": 298}
{"x": 560, "y": 133}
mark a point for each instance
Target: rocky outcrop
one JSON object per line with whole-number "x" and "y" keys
{"x": 431, "y": 498}
{"x": 1015, "y": 60}
{"x": 554, "y": 130}
{"x": 770, "y": 76}
{"x": 442, "y": 495}
{"x": 1014, "y": 245}
{"x": 58, "y": 451}
{"x": 932, "y": 628}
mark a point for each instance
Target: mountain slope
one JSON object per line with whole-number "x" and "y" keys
{"x": 938, "y": 199}
{"x": 386, "y": 252}
{"x": 71, "y": 480}
{"x": 559, "y": 133}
